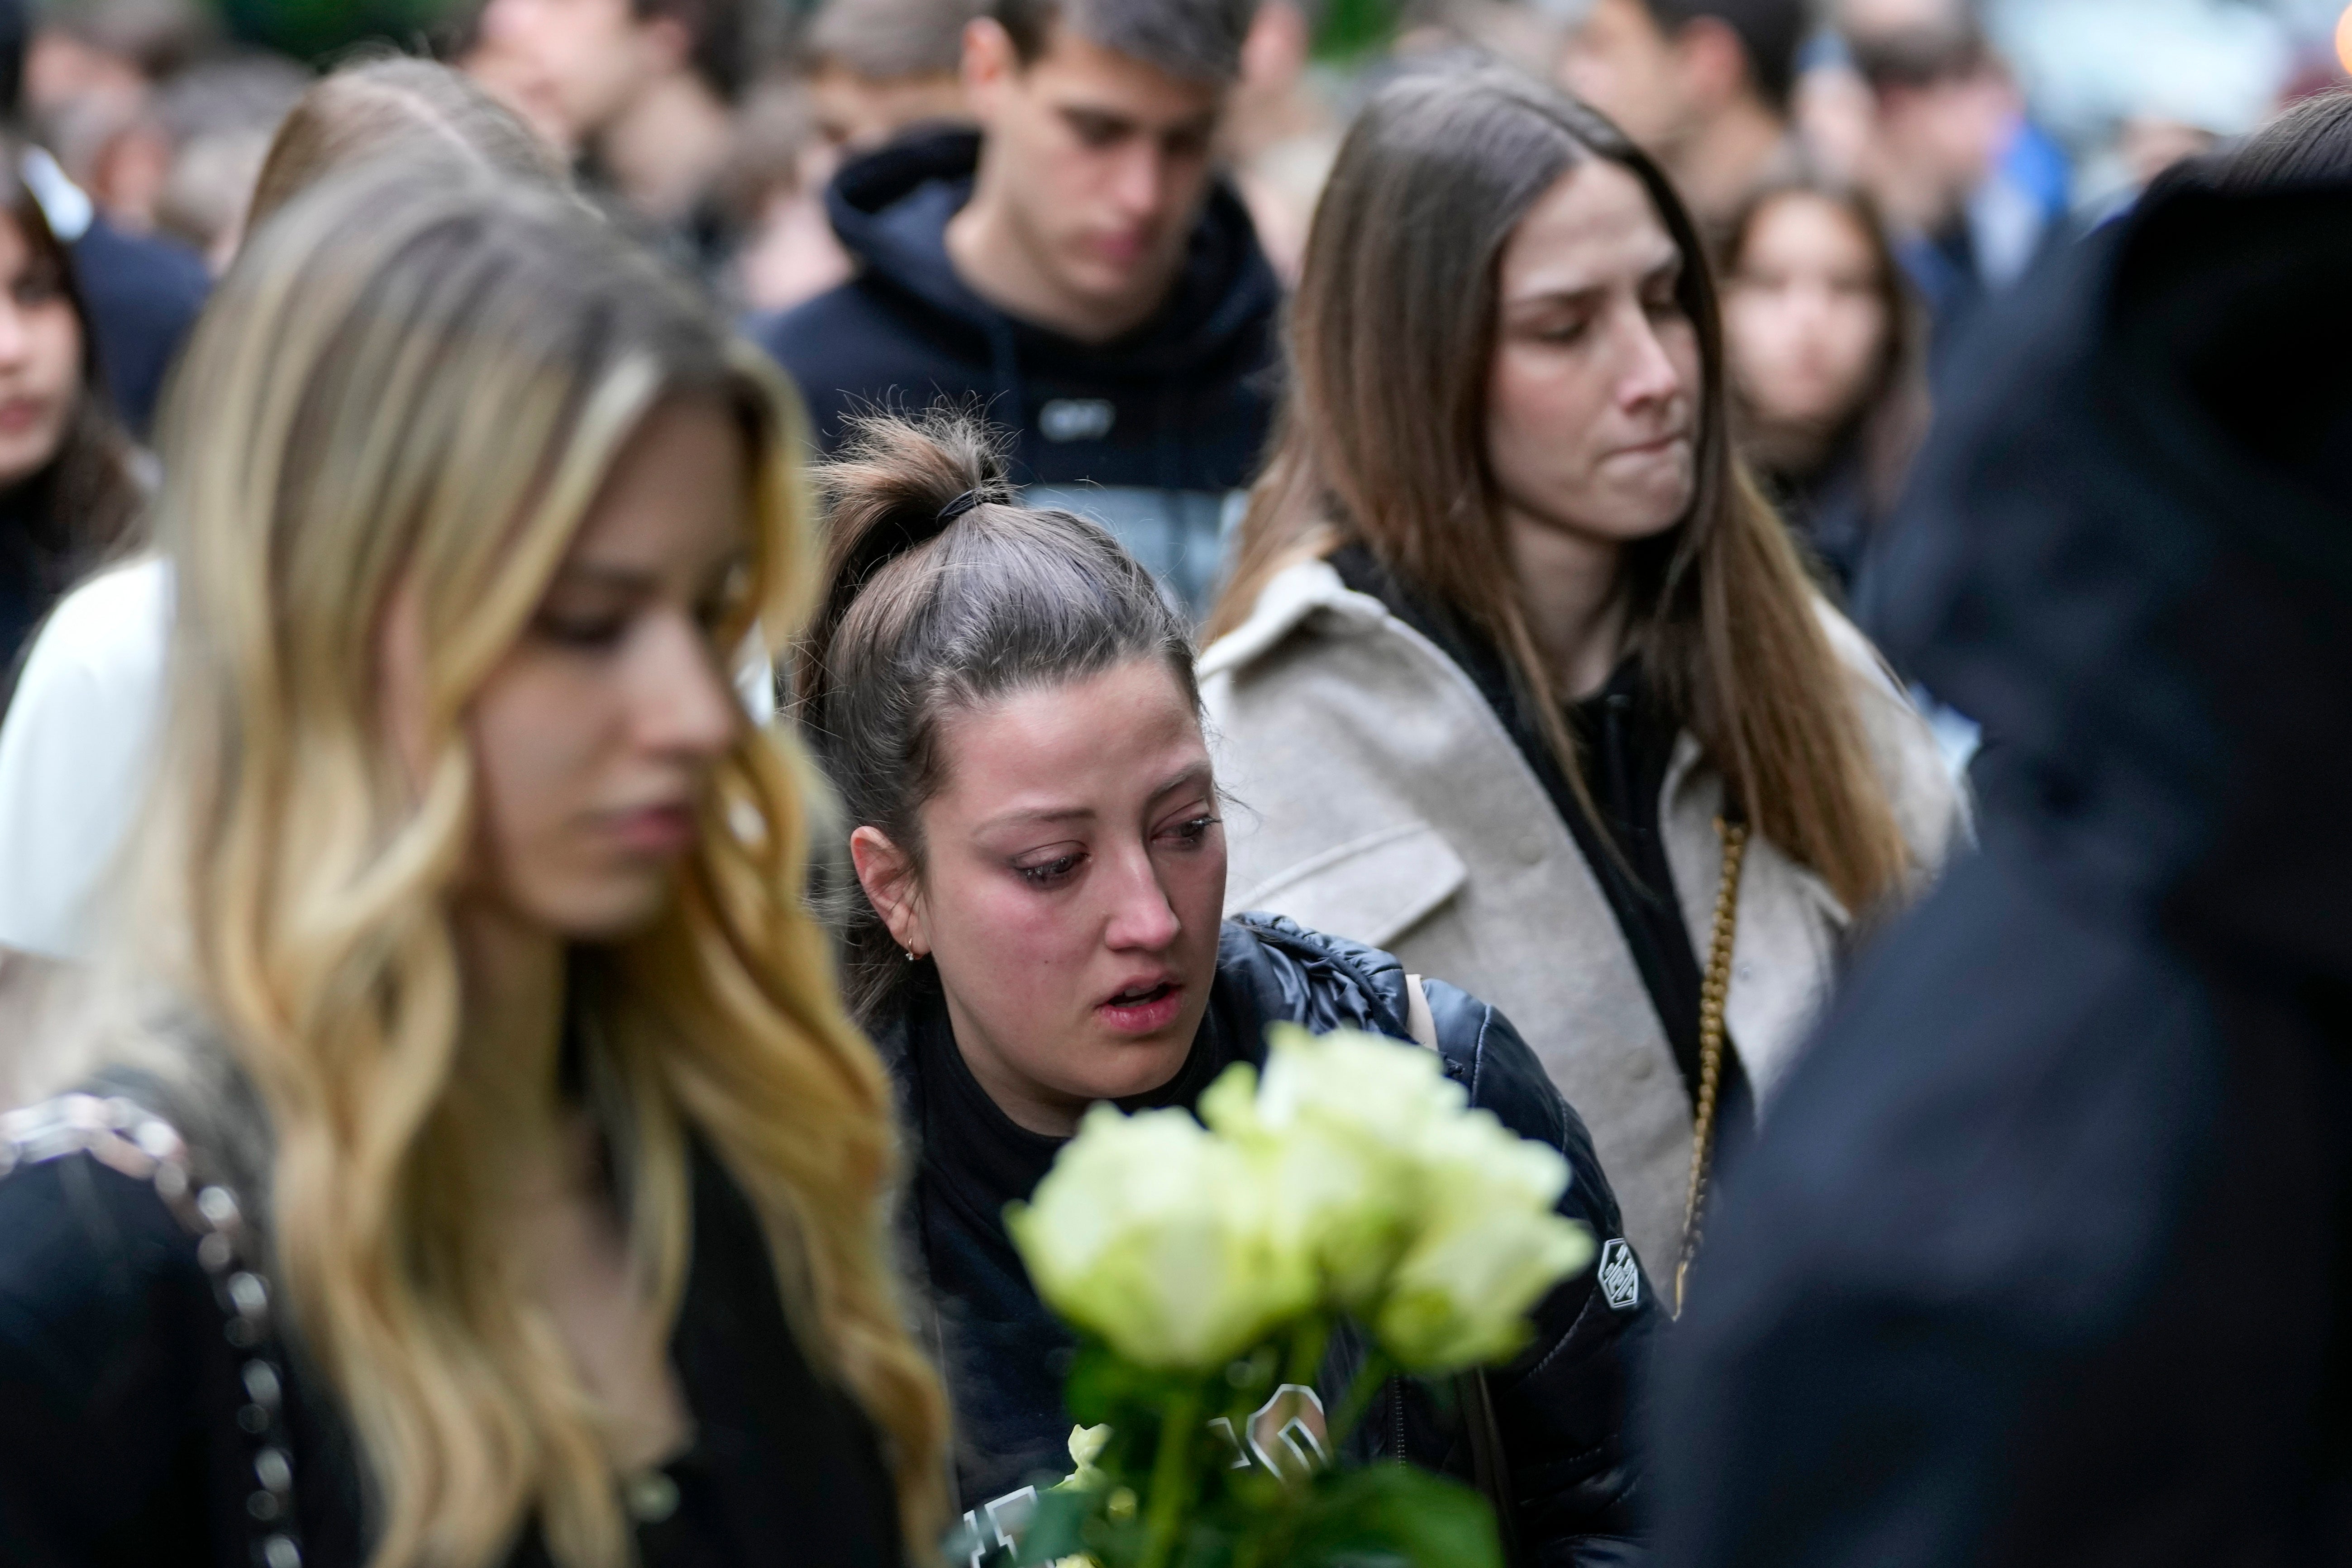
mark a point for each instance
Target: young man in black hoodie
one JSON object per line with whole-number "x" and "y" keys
{"x": 1074, "y": 268}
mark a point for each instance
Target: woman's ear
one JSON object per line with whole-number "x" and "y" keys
{"x": 888, "y": 875}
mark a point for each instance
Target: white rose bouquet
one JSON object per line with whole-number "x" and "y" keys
{"x": 1206, "y": 1266}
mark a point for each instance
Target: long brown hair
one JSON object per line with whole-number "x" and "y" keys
{"x": 1889, "y": 418}
{"x": 1382, "y": 441}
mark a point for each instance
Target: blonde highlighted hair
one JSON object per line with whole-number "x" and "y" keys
{"x": 415, "y": 382}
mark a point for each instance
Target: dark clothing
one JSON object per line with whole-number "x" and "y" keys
{"x": 2017, "y": 217}
{"x": 1829, "y": 507}
{"x": 143, "y": 296}
{"x": 1563, "y": 1405}
{"x": 122, "y": 1443}
{"x": 1009, "y": 1354}
{"x": 1154, "y": 435}
{"x": 2046, "y": 1254}
{"x": 35, "y": 570}
{"x": 41, "y": 561}
{"x": 1625, "y": 734}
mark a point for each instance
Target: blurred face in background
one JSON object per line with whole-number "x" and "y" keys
{"x": 1836, "y": 117}
{"x": 1937, "y": 140}
{"x": 571, "y": 66}
{"x": 1592, "y": 397}
{"x": 1620, "y": 62}
{"x": 1095, "y": 167}
{"x": 857, "y": 113}
{"x": 1072, "y": 886}
{"x": 40, "y": 355}
{"x": 1805, "y": 314}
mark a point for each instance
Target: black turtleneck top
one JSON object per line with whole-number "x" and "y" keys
{"x": 1007, "y": 1356}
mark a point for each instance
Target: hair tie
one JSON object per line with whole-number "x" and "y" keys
{"x": 897, "y": 533}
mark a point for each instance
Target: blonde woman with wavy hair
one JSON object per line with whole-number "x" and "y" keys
{"x": 479, "y": 1166}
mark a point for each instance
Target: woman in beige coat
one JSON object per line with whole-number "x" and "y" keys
{"x": 1517, "y": 676}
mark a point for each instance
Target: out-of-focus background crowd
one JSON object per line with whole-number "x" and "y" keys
{"x": 1962, "y": 139}
{"x": 2012, "y": 117}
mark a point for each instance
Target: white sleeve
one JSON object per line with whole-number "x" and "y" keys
{"x": 75, "y": 752}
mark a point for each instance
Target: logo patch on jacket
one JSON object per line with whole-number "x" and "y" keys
{"x": 1620, "y": 1275}
{"x": 1077, "y": 418}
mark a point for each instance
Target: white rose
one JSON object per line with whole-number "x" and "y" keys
{"x": 1489, "y": 1248}
{"x": 1332, "y": 1129}
{"x": 1431, "y": 1220}
{"x": 1157, "y": 1237}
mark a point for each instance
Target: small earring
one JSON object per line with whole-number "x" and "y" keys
{"x": 912, "y": 955}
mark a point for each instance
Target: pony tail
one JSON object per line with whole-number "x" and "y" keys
{"x": 895, "y": 485}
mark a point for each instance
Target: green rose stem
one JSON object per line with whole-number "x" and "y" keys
{"x": 1368, "y": 1381}
{"x": 1172, "y": 1477}
{"x": 1306, "y": 1348}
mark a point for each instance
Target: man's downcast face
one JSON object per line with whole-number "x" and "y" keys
{"x": 1108, "y": 165}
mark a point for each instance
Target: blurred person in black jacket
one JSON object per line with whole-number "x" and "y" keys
{"x": 2046, "y": 1256}
{"x": 142, "y": 295}
{"x": 228, "y": 1334}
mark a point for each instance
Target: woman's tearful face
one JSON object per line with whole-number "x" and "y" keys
{"x": 1071, "y": 884}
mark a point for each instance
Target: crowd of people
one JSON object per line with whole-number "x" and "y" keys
{"x": 637, "y": 660}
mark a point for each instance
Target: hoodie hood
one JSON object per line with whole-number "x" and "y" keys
{"x": 891, "y": 209}
{"x": 2128, "y": 553}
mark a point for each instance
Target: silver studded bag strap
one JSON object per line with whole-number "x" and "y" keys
{"x": 119, "y": 1133}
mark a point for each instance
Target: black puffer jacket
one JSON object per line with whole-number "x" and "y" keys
{"x": 1562, "y": 1408}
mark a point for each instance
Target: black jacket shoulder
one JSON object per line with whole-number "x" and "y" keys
{"x": 112, "y": 1358}
{"x": 127, "y": 1389}
{"x": 1326, "y": 983}
{"x": 143, "y": 294}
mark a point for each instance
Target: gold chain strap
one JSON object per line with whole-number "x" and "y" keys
{"x": 1714, "y": 990}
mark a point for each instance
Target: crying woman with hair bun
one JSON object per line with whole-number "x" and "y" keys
{"x": 1006, "y": 702}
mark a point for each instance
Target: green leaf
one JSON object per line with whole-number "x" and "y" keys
{"x": 1102, "y": 1386}
{"x": 1058, "y": 1528}
{"x": 1385, "y": 1514}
